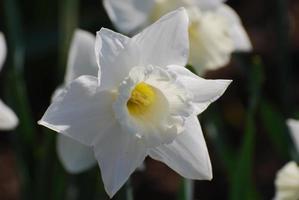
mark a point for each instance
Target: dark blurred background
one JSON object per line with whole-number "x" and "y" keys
{"x": 245, "y": 130}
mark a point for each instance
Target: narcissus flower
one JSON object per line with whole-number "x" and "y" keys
{"x": 8, "y": 119}
{"x": 287, "y": 179}
{"x": 287, "y": 182}
{"x": 75, "y": 156}
{"x": 143, "y": 102}
{"x": 215, "y": 30}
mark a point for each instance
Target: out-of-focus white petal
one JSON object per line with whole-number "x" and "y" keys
{"x": 81, "y": 112}
{"x": 287, "y": 182}
{"x": 187, "y": 154}
{"x": 8, "y": 119}
{"x": 294, "y": 130}
{"x": 166, "y": 41}
{"x": 81, "y": 60}
{"x": 113, "y": 57}
{"x": 162, "y": 7}
{"x": 210, "y": 42}
{"x": 2, "y": 50}
{"x": 74, "y": 156}
{"x": 208, "y": 4}
{"x": 128, "y": 15}
{"x": 118, "y": 153}
{"x": 237, "y": 31}
{"x": 204, "y": 91}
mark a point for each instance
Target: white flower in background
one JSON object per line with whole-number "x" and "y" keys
{"x": 215, "y": 30}
{"x": 287, "y": 182}
{"x": 143, "y": 102}
{"x": 287, "y": 179}
{"x": 8, "y": 119}
{"x": 294, "y": 130}
{"x": 75, "y": 156}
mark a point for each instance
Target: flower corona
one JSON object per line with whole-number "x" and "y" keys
{"x": 142, "y": 98}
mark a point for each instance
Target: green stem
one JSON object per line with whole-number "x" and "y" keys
{"x": 129, "y": 190}
{"x": 186, "y": 190}
{"x": 242, "y": 186}
{"x": 17, "y": 92}
{"x": 68, "y": 19}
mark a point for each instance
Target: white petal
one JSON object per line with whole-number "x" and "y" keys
{"x": 210, "y": 42}
{"x": 237, "y": 31}
{"x": 204, "y": 91}
{"x": 118, "y": 153}
{"x": 59, "y": 90}
{"x": 166, "y": 41}
{"x": 81, "y": 59}
{"x": 2, "y": 50}
{"x": 287, "y": 182}
{"x": 114, "y": 57}
{"x": 74, "y": 156}
{"x": 188, "y": 154}
{"x": 208, "y": 4}
{"x": 8, "y": 119}
{"x": 128, "y": 15}
{"x": 294, "y": 130}
{"x": 81, "y": 112}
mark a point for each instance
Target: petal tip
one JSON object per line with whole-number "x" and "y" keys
{"x": 48, "y": 125}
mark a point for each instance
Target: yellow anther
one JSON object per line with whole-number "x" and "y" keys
{"x": 142, "y": 98}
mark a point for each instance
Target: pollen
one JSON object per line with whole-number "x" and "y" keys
{"x": 142, "y": 98}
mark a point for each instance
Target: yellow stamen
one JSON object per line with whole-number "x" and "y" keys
{"x": 142, "y": 98}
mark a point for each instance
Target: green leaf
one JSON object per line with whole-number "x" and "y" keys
{"x": 16, "y": 93}
{"x": 275, "y": 125}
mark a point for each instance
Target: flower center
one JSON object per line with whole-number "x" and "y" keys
{"x": 142, "y": 98}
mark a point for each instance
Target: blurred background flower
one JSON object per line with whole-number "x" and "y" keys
{"x": 215, "y": 30}
{"x": 287, "y": 178}
{"x": 8, "y": 119}
{"x": 287, "y": 182}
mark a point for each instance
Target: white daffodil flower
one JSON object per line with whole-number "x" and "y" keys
{"x": 294, "y": 130}
{"x": 8, "y": 119}
{"x": 143, "y": 102}
{"x": 287, "y": 182}
{"x": 75, "y": 156}
{"x": 215, "y": 30}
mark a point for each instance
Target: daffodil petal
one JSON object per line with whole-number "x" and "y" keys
{"x": 210, "y": 42}
{"x": 294, "y": 130}
{"x": 81, "y": 112}
{"x": 128, "y": 15}
{"x": 113, "y": 57}
{"x": 287, "y": 182}
{"x": 74, "y": 156}
{"x": 81, "y": 59}
{"x": 208, "y": 4}
{"x": 237, "y": 32}
{"x": 8, "y": 119}
{"x": 2, "y": 50}
{"x": 166, "y": 41}
{"x": 187, "y": 154}
{"x": 118, "y": 153}
{"x": 204, "y": 91}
